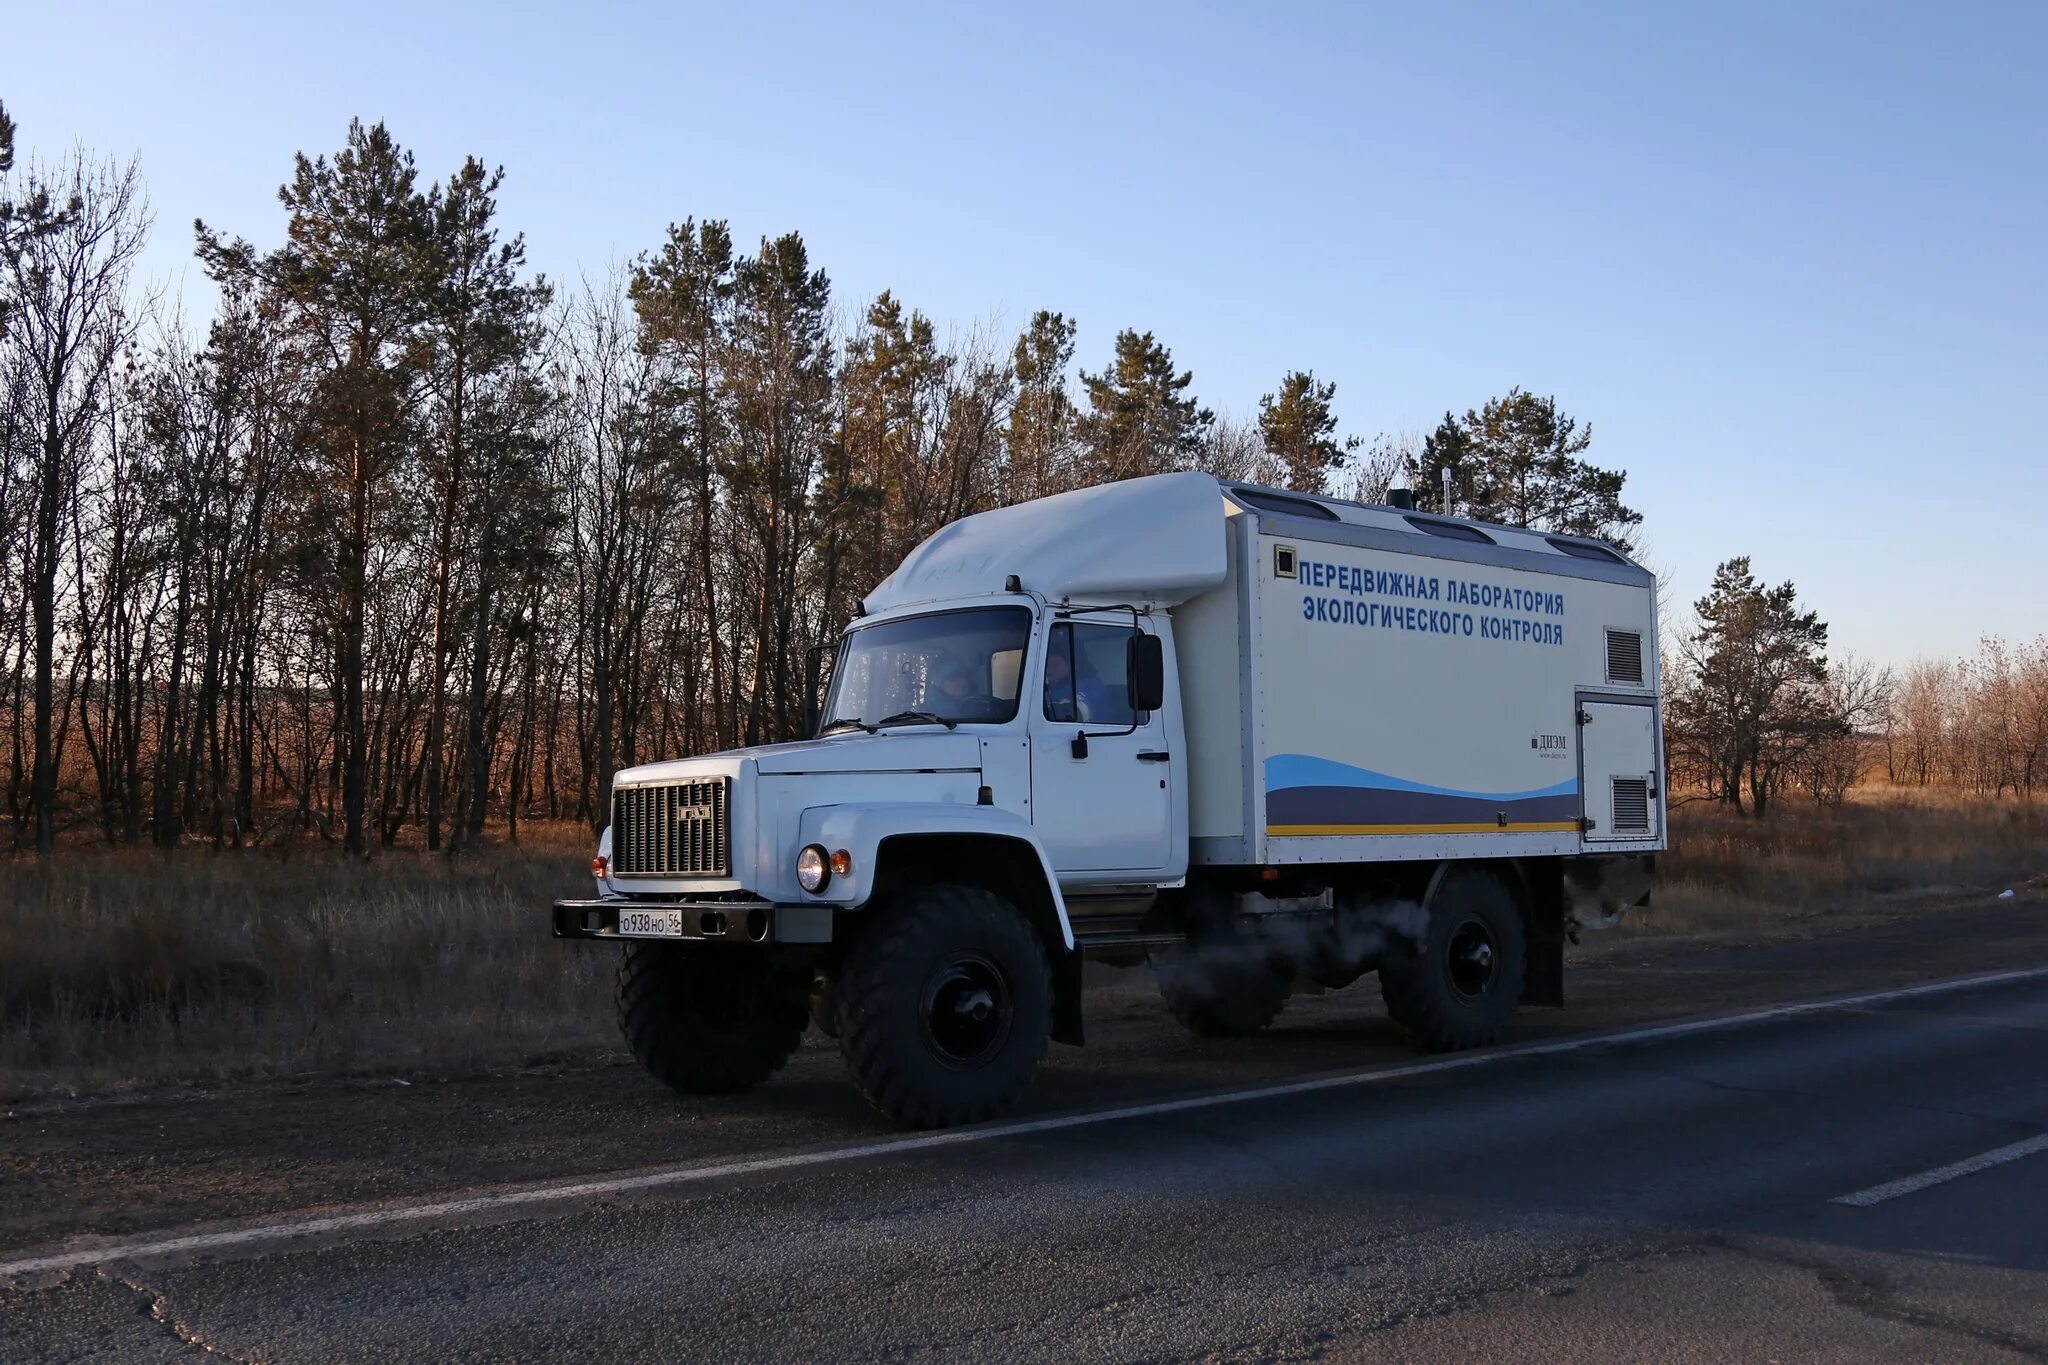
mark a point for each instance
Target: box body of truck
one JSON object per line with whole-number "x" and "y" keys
{"x": 1369, "y": 684}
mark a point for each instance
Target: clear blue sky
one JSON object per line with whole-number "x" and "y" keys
{"x": 1790, "y": 260}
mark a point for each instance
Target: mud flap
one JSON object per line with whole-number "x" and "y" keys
{"x": 1543, "y": 984}
{"x": 1066, "y": 997}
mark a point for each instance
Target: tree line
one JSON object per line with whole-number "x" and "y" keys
{"x": 1756, "y": 709}
{"x": 1978, "y": 724}
{"x": 410, "y": 538}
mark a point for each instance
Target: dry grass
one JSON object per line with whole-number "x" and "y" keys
{"x": 133, "y": 969}
{"x": 118, "y": 969}
{"x": 1726, "y": 872}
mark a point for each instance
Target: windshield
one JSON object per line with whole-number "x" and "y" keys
{"x": 950, "y": 666}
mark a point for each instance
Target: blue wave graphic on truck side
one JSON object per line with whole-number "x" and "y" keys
{"x": 1311, "y": 796}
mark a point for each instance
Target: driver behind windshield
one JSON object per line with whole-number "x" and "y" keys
{"x": 946, "y": 664}
{"x": 955, "y": 696}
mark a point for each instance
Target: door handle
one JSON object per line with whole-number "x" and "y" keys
{"x": 1153, "y": 755}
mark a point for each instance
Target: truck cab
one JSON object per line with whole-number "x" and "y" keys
{"x": 999, "y": 781}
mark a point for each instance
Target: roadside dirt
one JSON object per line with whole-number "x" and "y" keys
{"x": 124, "y": 1164}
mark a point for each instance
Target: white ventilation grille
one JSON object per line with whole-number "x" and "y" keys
{"x": 1631, "y": 804}
{"x": 1624, "y": 656}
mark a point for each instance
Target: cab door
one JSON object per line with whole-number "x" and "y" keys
{"x": 1104, "y": 804}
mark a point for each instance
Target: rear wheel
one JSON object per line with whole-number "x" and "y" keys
{"x": 709, "y": 1021}
{"x": 945, "y": 1005}
{"x": 1456, "y": 986}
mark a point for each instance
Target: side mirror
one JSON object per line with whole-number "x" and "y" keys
{"x": 1145, "y": 672}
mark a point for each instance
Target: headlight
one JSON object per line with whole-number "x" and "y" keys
{"x": 812, "y": 869}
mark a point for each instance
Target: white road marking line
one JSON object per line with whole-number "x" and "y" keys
{"x": 1940, "y": 1175}
{"x": 283, "y": 1229}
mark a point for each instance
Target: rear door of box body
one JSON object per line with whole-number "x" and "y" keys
{"x": 1618, "y": 759}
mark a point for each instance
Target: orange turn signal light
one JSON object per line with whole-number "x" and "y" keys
{"x": 842, "y": 863}
{"x": 600, "y": 866}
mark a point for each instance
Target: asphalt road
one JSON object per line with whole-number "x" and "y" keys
{"x": 1656, "y": 1191}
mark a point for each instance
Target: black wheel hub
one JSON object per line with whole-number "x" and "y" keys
{"x": 1470, "y": 959}
{"x": 967, "y": 1013}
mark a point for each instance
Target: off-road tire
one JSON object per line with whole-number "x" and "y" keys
{"x": 709, "y": 1021}
{"x": 1435, "y": 999}
{"x": 1222, "y": 989}
{"x": 899, "y": 975}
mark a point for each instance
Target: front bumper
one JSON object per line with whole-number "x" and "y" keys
{"x": 736, "y": 921}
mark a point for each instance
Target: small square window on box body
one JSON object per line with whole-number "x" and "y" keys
{"x": 1283, "y": 561}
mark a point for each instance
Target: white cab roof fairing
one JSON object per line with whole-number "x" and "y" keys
{"x": 1154, "y": 541}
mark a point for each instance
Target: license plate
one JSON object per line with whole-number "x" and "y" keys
{"x": 651, "y": 923}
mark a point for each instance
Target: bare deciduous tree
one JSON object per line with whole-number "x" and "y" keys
{"x": 1854, "y": 701}
{"x": 68, "y": 320}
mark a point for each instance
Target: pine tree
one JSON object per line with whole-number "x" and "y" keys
{"x": 684, "y": 299}
{"x": 484, "y": 326}
{"x": 1751, "y": 699}
{"x": 8, "y": 212}
{"x": 1300, "y": 432}
{"x": 893, "y": 388}
{"x": 1140, "y": 418}
{"x": 1534, "y": 476}
{"x": 353, "y": 287}
{"x": 779, "y": 370}
{"x": 1450, "y": 447}
{"x": 1041, "y": 437}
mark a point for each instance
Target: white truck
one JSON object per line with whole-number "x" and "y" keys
{"x": 1266, "y": 740}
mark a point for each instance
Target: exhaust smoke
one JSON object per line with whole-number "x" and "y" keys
{"x": 1598, "y": 892}
{"x": 1332, "y": 948}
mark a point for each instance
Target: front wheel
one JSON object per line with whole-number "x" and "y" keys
{"x": 945, "y": 1005}
{"x": 1455, "y": 987}
{"x": 709, "y": 1021}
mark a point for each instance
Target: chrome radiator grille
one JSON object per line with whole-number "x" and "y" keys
{"x": 675, "y": 829}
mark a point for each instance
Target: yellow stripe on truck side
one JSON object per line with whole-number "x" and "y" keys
{"x": 1324, "y": 831}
